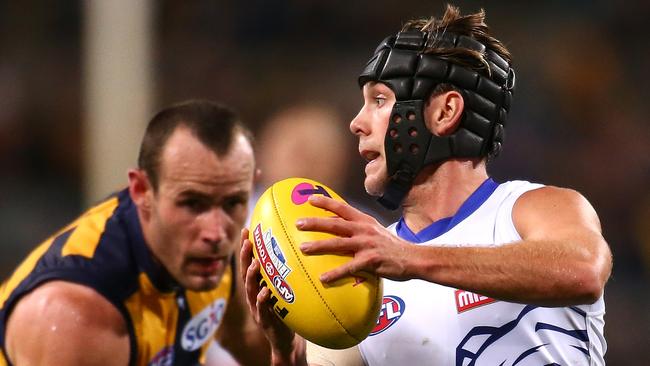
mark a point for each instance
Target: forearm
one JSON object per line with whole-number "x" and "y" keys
{"x": 540, "y": 272}
{"x": 293, "y": 354}
{"x": 248, "y": 347}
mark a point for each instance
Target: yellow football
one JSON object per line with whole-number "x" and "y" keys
{"x": 338, "y": 315}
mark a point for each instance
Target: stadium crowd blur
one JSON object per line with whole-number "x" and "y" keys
{"x": 579, "y": 117}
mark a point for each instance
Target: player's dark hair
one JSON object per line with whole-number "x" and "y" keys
{"x": 214, "y": 124}
{"x": 470, "y": 25}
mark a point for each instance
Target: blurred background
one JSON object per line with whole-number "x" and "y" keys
{"x": 80, "y": 79}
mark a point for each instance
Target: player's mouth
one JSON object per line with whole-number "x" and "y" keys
{"x": 369, "y": 155}
{"x": 207, "y": 265}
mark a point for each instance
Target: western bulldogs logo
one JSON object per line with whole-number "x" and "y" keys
{"x": 302, "y": 191}
{"x": 392, "y": 308}
{"x": 203, "y": 325}
{"x": 273, "y": 262}
{"x": 498, "y": 345}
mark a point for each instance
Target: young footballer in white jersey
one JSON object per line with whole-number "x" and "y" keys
{"x": 476, "y": 272}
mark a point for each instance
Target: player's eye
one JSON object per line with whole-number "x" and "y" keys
{"x": 379, "y": 101}
{"x": 233, "y": 203}
{"x": 195, "y": 205}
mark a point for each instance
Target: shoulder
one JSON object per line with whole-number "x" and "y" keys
{"x": 554, "y": 206}
{"x": 549, "y": 199}
{"x": 66, "y": 318}
{"x": 91, "y": 251}
{"x": 104, "y": 249}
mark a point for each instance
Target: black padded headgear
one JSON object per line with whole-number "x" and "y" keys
{"x": 401, "y": 64}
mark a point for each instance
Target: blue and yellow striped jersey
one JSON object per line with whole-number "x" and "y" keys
{"x": 104, "y": 249}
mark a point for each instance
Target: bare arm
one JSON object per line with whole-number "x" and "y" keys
{"x": 562, "y": 259}
{"x": 61, "y": 323}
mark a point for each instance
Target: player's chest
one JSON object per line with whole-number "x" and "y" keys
{"x": 424, "y": 323}
{"x": 175, "y": 328}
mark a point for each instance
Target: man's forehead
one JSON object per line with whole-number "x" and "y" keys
{"x": 183, "y": 146}
{"x": 214, "y": 191}
{"x": 212, "y": 185}
{"x": 228, "y": 169}
{"x": 185, "y": 161}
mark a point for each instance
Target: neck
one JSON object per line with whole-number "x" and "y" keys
{"x": 440, "y": 190}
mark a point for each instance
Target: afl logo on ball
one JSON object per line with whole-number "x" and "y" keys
{"x": 392, "y": 308}
{"x": 273, "y": 261}
{"x": 283, "y": 288}
{"x": 301, "y": 192}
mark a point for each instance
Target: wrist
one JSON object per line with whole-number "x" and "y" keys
{"x": 424, "y": 263}
{"x": 292, "y": 353}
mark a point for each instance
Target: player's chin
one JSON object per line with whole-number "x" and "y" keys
{"x": 374, "y": 185}
{"x": 201, "y": 282}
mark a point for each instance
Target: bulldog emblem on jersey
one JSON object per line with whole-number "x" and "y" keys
{"x": 560, "y": 341}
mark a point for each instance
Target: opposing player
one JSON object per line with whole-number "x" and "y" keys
{"x": 476, "y": 272}
{"x": 147, "y": 276}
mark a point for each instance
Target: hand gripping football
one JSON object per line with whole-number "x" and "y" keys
{"x": 339, "y": 315}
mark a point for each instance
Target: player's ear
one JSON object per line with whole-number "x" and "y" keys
{"x": 444, "y": 111}
{"x": 140, "y": 188}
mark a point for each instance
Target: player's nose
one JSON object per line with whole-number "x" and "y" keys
{"x": 215, "y": 227}
{"x": 358, "y": 125}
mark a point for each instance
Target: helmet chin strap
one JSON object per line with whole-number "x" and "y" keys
{"x": 395, "y": 191}
{"x": 411, "y": 146}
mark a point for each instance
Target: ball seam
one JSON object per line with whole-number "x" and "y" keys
{"x": 304, "y": 270}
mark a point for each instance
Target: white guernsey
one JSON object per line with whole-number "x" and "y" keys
{"x": 423, "y": 323}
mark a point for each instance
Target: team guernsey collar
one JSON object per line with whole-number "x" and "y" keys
{"x": 473, "y": 202}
